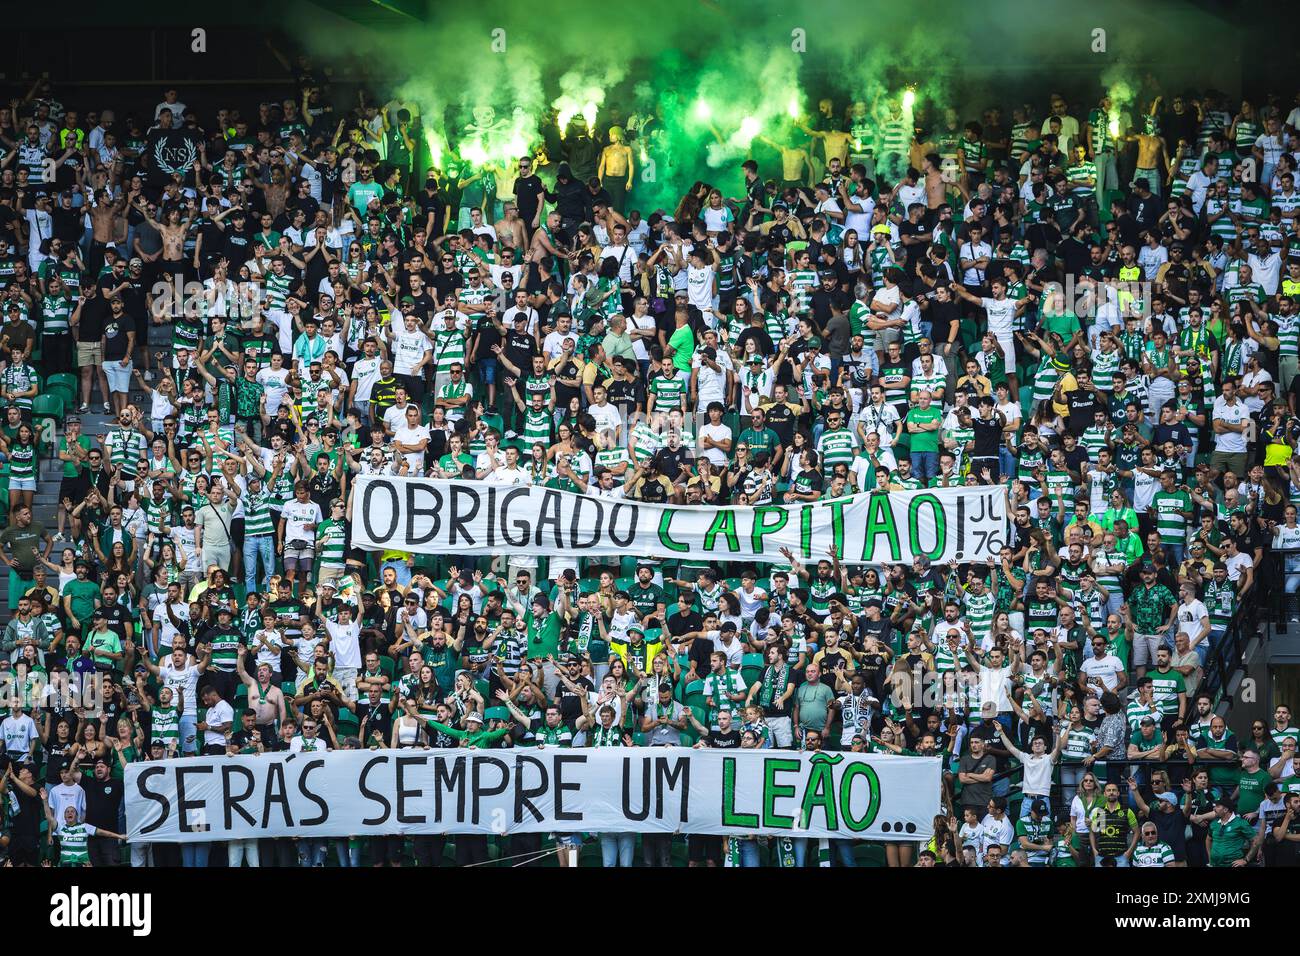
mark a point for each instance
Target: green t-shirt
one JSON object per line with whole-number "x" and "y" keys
{"x": 83, "y": 595}
{"x": 683, "y": 341}
{"x": 1229, "y": 841}
{"x": 1252, "y": 790}
{"x": 924, "y": 441}
{"x": 100, "y": 642}
{"x": 543, "y": 638}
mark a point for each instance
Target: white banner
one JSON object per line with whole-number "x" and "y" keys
{"x": 527, "y": 790}
{"x": 472, "y": 518}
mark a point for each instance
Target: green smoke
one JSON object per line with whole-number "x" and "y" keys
{"x": 711, "y": 82}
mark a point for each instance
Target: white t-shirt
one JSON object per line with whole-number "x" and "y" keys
{"x": 408, "y": 349}
{"x": 1190, "y": 617}
{"x": 699, "y": 287}
{"x": 186, "y": 679}
{"x": 365, "y": 373}
{"x": 276, "y": 385}
{"x": 1001, "y": 313}
{"x": 412, "y": 436}
{"x": 606, "y": 416}
{"x": 18, "y": 734}
{"x": 297, "y": 515}
{"x": 1234, "y": 414}
{"x": 1107, "y": 668}
{"x": 219, "y": 713}
{"x": 345, "y": 642}
{"x": 395, "y": 417}
{"x": 717, "y": 433}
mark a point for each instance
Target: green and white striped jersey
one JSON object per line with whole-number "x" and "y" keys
{"x": 332, "y": 536}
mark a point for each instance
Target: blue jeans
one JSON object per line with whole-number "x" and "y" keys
{"x": 750, "y": 855}
{"x": 258, "y": 546}
{"x": 348, "y": 855}
{"x": 616, "y": 849}
{"x": 195, "y": 854}
{"x": 312, "y": 851}
{"x": 925, "y": 464}
{"x": 841, "y": 850}
{"x": 189, "y": 734}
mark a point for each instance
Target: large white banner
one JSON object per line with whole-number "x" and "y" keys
{"x": 642, "y": 790}
{"x": 472, "y": 517}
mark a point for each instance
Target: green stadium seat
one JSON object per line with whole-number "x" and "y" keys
{"x": 68, "y": 395}
{"x": 64, "y": 379}
{"x": 497, "y": 713}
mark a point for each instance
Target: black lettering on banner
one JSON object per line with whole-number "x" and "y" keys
{"x": 575, "y": 522}
{"x": 667, "y": 778}
{"x": 523, "y": 793}
{"x": 314, "y": 798}
{"x": 369, "y": 509}
{"x": 414, "y": 511}
{"x": 460, "y": 518}
{"x": 548, "y": 515}
{"x": 480, "y": 789}
{"x": 521, "y": 526}
{"x": 363, "y": 785}
{"x": 276, "y": 792}
{"x": 165, "y": 806}
{"x": 185, "y": 806}
{"x": 234, "y": 800}
{"x": 492, "y": 516}
{"x": 448, "y": 775}
{"x": 624, "y": 540}
{"x": 404, "y": 792}
{"x": 628, "y": 812}
{"x": 559, "y": 762}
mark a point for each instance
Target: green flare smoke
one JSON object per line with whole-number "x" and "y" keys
{"x": 725, "y": 81}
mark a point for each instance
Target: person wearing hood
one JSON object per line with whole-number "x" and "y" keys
{"x": 571, "y": 197}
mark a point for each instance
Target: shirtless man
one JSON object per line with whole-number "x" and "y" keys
{"x": 105, "y": 218}
{"x": 266, "y": 700}
{"x": 172, "y": 230}
{"x": 935, "y": 187}
{"x": 616, "y": 165}
{"x": 544, "y": 242}
{"x": 510, "y": 228}
{"x": 796, "y": 164}
{"x": 1153, "y": 154}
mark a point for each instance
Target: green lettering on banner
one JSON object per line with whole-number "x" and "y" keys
{"x": 730, "y": 817}
{"x": 724, "y": 523}
{"x": 940, "y": 526}
{"x": 820, "y": 791}
{"x": 772, "y": 790}
{"x": 837, "y": 524}
{"x": 858, "y": 824}
{"x": 880, "y": 520}
{"x": 762, "y": 528}
{"x": 664, "y": 521}
{"x": 805, "y": 531}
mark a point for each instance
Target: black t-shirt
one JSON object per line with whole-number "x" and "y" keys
{"x": 94, "y": 313}
{"x": 118, "y": 617}
{"x": 103, "y": 801}
{"x": 116, "y": 332}
{"x": 528, "y": 191}
{"x": 988, "y": 436}
{"x": 381, "y": 721}
{"x": 431, "y": 206}
{"x": 723, "y": 741}
{"x": 569, "y": 702}
{"x": 670, "y": 461}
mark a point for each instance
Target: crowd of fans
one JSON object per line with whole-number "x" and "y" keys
{"x": 1091, "y": 306}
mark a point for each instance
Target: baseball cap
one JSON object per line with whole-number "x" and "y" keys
{"x": 1167, "y": 796}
